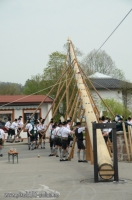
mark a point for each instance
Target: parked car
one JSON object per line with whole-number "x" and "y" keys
{"x": 2, "y": 126}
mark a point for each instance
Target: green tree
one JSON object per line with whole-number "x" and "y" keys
{"x": 101, "y": 62}
{"x": 116, "y": 107}
{"x": 10, "y": 88}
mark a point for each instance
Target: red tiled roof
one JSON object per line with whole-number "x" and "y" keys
{"x": 24, "y": 99}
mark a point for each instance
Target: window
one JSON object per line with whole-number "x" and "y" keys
{"x": 28, "y": 112}
{"x": 4, "y": 114}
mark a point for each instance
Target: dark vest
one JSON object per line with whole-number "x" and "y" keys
{"x": 79, "y": 136}
{"x": 34, "y": 132}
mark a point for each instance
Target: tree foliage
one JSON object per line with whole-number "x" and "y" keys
{"x": 10, "y": 88}
{"x": 101, "y": 62}
{"x": 116, "y": 107}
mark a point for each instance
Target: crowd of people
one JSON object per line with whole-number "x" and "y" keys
{"x": 60, "y": 134}
{"x": 60, "y": 137}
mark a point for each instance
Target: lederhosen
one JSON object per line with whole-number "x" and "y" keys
{"x": 1, "y": 142}
{"x": 59, "y": 142}
{"x": 79, "y": 137}
{"x": 40, "y": 136}
{"x": 64, "y": 143}
{"x": 12, "y": 131}
{"x": 33, "y": 136}
{"x": 51, "y": 140}
{"x": 70, "y": 138}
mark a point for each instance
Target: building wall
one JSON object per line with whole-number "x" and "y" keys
{"x": 18, "y": 111}
{"x": 109, "y": 94}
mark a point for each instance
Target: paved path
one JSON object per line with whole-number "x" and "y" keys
{"x": 71, "y": 180}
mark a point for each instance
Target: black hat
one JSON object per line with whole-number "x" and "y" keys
{"x": 68, "y": 120}
{"x": 36, "y": 121}
{"x": 54, "y": 126}
{"x": 103, "y": 118}
{"x": 78, "y": 123}
{"x": 9, "y": 119}
{"x": 64, "y": 123}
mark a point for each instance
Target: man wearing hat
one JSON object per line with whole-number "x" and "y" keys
{"x": 7, "y": 126}
{"x": 79, "y": 135}
{"x": 51, "y": 137}
{"x": 64, "y": 133}
{"x": 41, "y": 131}
{"x": 28, "y": 126}
{"x": 33, "y": 132}
{"x": 70, "y": 138}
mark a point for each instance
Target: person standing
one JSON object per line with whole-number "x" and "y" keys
{"x": 41, "y": 132}
{"x": 7, "y": 126}
{"x": 28, "y": 126}
{"x": 19, "y": 128}
{"x": 79, "y": 135}
{"x": 2, "y": 139}
{"x": 33, "y": 131}
{"x": 64, "y": 133}
{"x": 51, "y": 137}
{"x": 13, "y": 129}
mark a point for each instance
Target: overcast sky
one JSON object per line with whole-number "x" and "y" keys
{"x": 30, "y": 30}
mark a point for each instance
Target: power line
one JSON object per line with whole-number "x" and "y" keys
{"x": 113, "y": 31}
{"x": 33, "y": 93}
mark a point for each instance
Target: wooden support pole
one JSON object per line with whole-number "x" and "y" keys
{"x": 60, "y": 85}
{"x": 79, "y": 110}
{"x": 89, "y": 151}
{"x": 73, "y": 105}
{"x": 130, "y": 140}
{"x": 58, "y": 93}
{"x": 82, "y": 115}
{"x": 55, "y": 111}
{"x": 40, "y": 104}
{"x": 97, "y": 93}
{"x": 126, "y": 141}
{"x": 70, "y": 103}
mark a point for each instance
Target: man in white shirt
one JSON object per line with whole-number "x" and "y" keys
{"x": 41, "y": 131}
{"x": 56, "y": 138}
{"x": 2, "y": 139}
{"x": 7, "y": 126}
{"x": 64, "y": 133}
{"x": 28, "y": 127}
{"x": 105, "y": 131}
{"x": 13, "y": 129}
{"x": 79, "y": 135}
{"x": 19, "y": 127}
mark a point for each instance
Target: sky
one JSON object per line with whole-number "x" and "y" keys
{"x": 30, "y": 30}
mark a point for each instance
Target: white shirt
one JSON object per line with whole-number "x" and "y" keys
{"x": 7, "y": 125}
{"x": 81, "y": 129}
{"x": 28, "y": 125}
{"x": 55, "y": 131}
{"x": 68, "y": 126}
{"x": 2, "y": 134}
{"x": 65, "y": 132}
{"x": 20, "y": 124}
{"x": 129, "y": 122}
{"x": 42, "y": 127}
{"x": 59, "y": 132}
{"x": 14, "y": 125}
{"x": 50, "y": 127}
{"x": 105, "y": 129}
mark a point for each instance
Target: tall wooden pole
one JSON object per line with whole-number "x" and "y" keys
{"x": 104, "y": 159}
